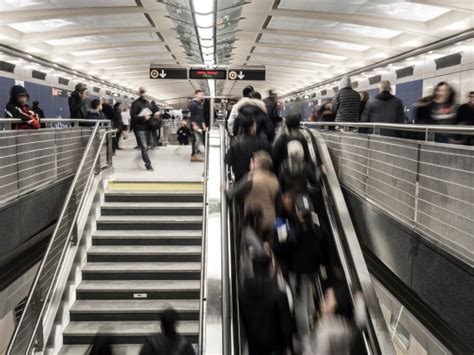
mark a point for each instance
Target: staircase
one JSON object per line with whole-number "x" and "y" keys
{"x": 145, "y": 256}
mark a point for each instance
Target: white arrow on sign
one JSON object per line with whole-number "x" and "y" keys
{"x": 163, "y": 74}
{"x": 241, "y": 75}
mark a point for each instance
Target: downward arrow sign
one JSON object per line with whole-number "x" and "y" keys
{"x": 241, "y": 75}
{"x": 163, "y": 74}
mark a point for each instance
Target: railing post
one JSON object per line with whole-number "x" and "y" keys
{"x": 73, "y": 206}
{"x": 109, "y": 141}
{"x": 36, "y": 304}
{"x": 96, "y": 148}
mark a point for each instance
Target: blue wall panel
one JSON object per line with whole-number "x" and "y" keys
{"x": 409, "y": 93}
{"x": 43, "y": 94}
{"x": 5, "y": 86}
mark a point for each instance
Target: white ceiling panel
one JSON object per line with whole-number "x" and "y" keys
{"x": 15, "y": 5}
{"x": 283, "y": 39}
{"x": 122, "y": 20}
{"x": 298, "y": 54}
{"x": 341, "y": 6}
{"x": 122, "y": 37}
{"x": 301, "y": 24}
{"x": 402, "y": 10}
{"x": 365, "y": 31}
{"x": 132, "y": 50}
{"x": 134, "y": 57}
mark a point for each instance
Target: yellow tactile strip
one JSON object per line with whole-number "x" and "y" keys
{"x": 155, "y": 186}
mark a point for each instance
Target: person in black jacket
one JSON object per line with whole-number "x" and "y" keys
{"x": 257, "y": 110}
{"x": 17, "y": 107}
{"x": 140, "y": 113}
{"x": 265, "y": 312}
{"x": 183, "y": 134}
{"x": 77, "y": 103}
{"x": 271, "y": 102}
{"x": 243, "y": 147}
{"x": 169, "y": 342}
{"x": 117, "y": 124}
{"x": 346, "y": 103}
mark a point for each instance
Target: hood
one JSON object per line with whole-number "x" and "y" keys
{"x": 16, "y": 91}
{"x": 384, "y": 96}
{"x": 345, "y": 82}
{"x": 252, "y": 102}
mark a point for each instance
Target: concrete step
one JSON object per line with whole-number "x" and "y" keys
{"x": 143, "y": 253}
{"x": 138, "y": 289}
{"x": 149, "y": 222}
{"x": 142, "y": 271}
{"x": 120, "y": 332}
{"x": 151, "y": 208}
{"x": 118, "y": 349}
{"x": 147, "y": 237}
{"x": 153, "y": 196}
{"x": 131, "y": 310}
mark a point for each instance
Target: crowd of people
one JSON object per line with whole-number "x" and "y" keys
{"x": 283, "y": 245}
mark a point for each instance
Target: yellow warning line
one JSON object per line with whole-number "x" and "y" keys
{"x": 155, "y": 186}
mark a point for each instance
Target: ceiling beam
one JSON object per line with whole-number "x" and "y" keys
{"x": 315, "y": 49}
{"x": 414, "y": 27}
{"x": 11, "y": 17}
{"x": 104, "y": 45}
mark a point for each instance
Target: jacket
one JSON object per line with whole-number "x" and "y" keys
{"x": 117, "y": 122}
{"x": 139, "y": 123}
{"x": 304, "y": 250}
{"x": 196, "y": 110}
{"x": 233, "y": 115}
{"x": 266, "y": 316}
{"x": 160, "y": 344}
{"x": 272, "y": 110}
{"x": 384, "y": 108}
{"x": 346, "y": 103}
{"x": 13, "y": 110}
{"x": 280, "y": 148}
{"x": 258, "y": 111}
{"x": 77, "y": 106}
{"x": 240, "y": 153}
{"x": 92, "y": 115}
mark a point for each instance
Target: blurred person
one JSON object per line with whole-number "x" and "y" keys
{"x": 271, "y": 102}
{"x": 384, "y": 108}
{"x": 325, "y": 113}
{"x": 169, "y": 341}
{"x": 94, "y": 113}
{"x": 107, "y": 109}
{"x": 35, "y": 108}
{"x": 256, "y": 95}
{"x": 166, "y": 115}
{"x": 141, "y": 114}
{"x": 243, "y": 147}
{"x": 265, "y": 311}
{"x": 346, "y": 103}
{"x": 364, "y": 98}
{"x": 442, "y": 109}
{"x": 257, "y": 111}
{"x": 125, "y": 122}
{"x": 117, "y": 123}
{"x": 339, "y": 324}
{"x": 259, "y": 190}
{"x": 77, "y": 103}
{"x": 102, "y": 343}
{"x": 313, "y": 117}
{"x": 246, "y": 94}
{"x": 154, "y": 106}
{"x": 198, "y": 126}
{"x": 17, "y": 107}
{"x": 465, "y": 116}
{"x": 183, "y": 134}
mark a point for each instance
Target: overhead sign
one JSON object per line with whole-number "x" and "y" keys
{"x": 217, "y": 74}
{"x": 168, "y": 73}
{"x": 246, "y": 74}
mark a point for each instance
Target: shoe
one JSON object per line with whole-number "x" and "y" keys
{"x": 150, "y": 168}
{"x": 197, "y": 158}
{"x": 118, "y": 148}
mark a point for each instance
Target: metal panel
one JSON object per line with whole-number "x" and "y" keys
{"x": 8, "y": 166}
{"x": 353, "y": 161}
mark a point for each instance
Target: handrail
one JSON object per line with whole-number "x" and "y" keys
{"x": 349, "y": 251}
{"x": 8, "y": 121}
{"x": 212, "y": 337}
{"x": 428, "y": 130}
{"x": 64, "y": 235}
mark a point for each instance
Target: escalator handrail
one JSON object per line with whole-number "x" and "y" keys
{"x": 351, "y": 254}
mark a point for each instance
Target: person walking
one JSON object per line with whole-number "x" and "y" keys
{"x": 198, "y": 126}
{"x": 77, "y": 103}
{"x": 346, "y": 103}
{"x": 117, "y": 123}
{"x": 247, "y": 93}
{"x": 141, "y": 113}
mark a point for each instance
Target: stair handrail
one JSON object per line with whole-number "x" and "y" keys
{"x": 65, "y": 234}
{"x": 378, "y": 341}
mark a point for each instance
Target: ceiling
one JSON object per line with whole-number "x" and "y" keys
{"x": 301, "y": 42}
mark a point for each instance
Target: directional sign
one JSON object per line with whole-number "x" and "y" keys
{"x": 168, "y": 73}
{"x": 246, "y": 74}
{"x": 218, "y": 74}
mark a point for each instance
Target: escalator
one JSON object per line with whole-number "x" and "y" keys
{"x": 352, "y": 270}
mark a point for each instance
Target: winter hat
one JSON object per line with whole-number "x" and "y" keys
{"x": 247, "y": 92}
{"x": 81, "y": 87}
{"x": 18, "y": 90}
{"x": 345, "y": 82}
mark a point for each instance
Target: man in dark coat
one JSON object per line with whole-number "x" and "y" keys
{"x": 346, "y": 103}
{"x": 17, "y": 107}
{"x": 77, "y": 103}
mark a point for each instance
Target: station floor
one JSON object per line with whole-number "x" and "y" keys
{"x": 171, "y": 163}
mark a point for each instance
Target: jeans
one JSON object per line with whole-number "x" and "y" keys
{"x": 142, "y": 141}
{"x": 198, "y": 138}
{"x": 154, "y": 137}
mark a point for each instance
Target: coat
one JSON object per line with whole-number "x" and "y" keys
{"x": 13, "y": 110}
{"x": 258, "y": 111}
{"x": 346, "y": 103}
{"x": 77, "y": 106}
{"x": 138, "y": 123}
{"x": 384, "y": 108}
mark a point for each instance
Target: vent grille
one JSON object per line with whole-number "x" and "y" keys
{"x": 8, "y": 67}
{"x": 107, "y": 92}
{"x": 38, "y": 75}
{"x": 96, "y": 89}
{"x": 375, "y": 79}
{"x": 448, "y": 61}
{"x": 63, "y": 81}
{"x": 313, "y": 94}
{"x": 335, "y": 89}
{"x": 355, "y": 84}
{"x": 404, "y": 72}
{"x": 323, "y": 92}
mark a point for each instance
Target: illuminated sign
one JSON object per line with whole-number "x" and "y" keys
{"x": 246, "y": 74}
{"x": 168, "y": 73}
{"x": 217, "y": 74}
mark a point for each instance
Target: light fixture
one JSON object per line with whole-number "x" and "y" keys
{"x": 205, "y": 18}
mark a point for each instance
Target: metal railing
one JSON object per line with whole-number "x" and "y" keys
{"x": 426, "y": 185}
{"x": 30, "y": 159}
{"x": 376, "y": 335}
{"x": 6, "y": 124}
{"x": 29, "y": 335}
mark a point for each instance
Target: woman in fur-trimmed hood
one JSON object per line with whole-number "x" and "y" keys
{"x": 257, "y": 110}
